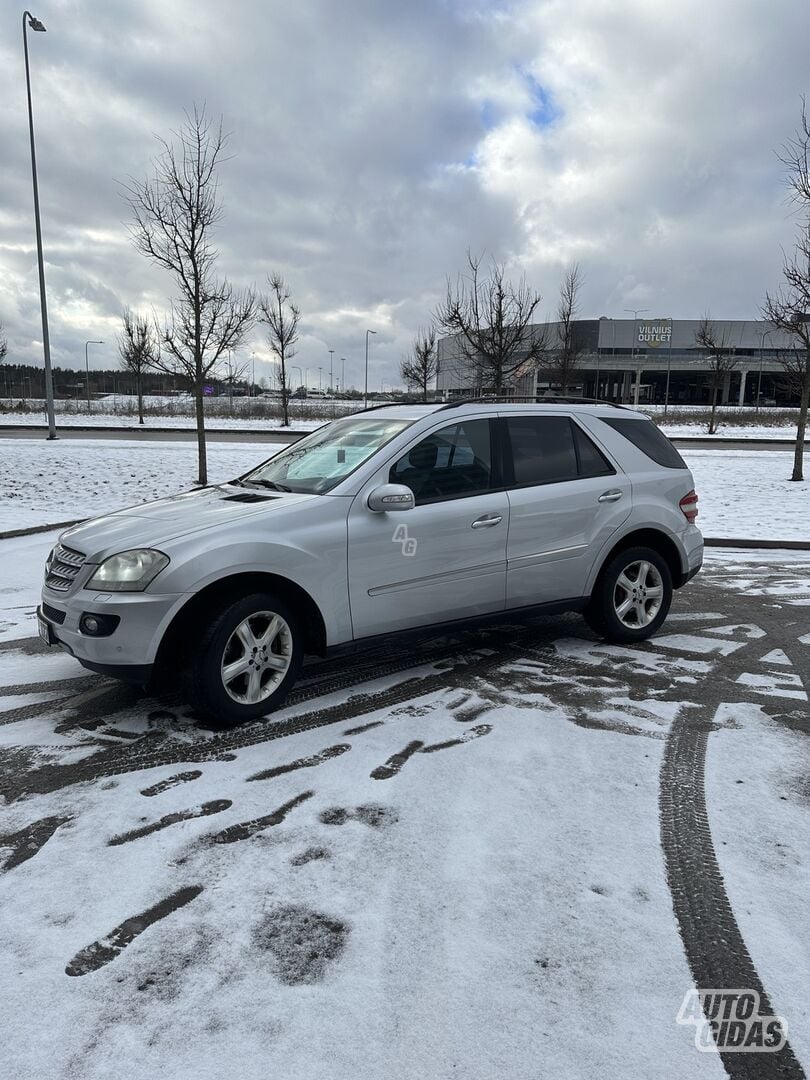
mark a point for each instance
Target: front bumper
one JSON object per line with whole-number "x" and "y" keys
{"x": 143, "y": 620}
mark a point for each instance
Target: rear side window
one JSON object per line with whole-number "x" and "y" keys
{"x": 649, "y": 439}
{"x": 543, "y": 450}
{"x": 551, "y": 449}
{"x": 592, "y": 462}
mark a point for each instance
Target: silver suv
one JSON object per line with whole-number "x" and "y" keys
{"x": 394, "y": 518}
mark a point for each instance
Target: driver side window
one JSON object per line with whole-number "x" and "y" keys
{"x": 452, "y": 463}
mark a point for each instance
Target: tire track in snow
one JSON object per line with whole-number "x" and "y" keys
{"x": 715, "y": 949}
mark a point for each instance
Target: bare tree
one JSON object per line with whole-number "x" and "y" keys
{"x": 281, "y": 316}
{"x": 174, "y": 213}
{"x": 138, "y": 350}
{"x": 421, "y": 367}
{"x": 560, "y": 363}
{"x": 722, "y": 361}
{"x": 3, "y": 344}
{"x": 491, "y": 319}
{"x": 788, "y": 308}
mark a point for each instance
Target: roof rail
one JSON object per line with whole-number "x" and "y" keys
{"x": 530, "y": 399}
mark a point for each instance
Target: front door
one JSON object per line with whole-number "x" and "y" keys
{"x": 446, "y": 558}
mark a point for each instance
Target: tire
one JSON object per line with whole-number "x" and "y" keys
{"x": 258, "y": 642}
{"x": 631, "y": 597}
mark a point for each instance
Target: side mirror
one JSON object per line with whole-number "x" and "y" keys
{"x": 391, "y": 497}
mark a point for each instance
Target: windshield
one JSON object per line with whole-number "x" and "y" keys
{"x": 321, "y": 460}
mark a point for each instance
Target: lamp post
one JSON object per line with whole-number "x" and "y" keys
{"x": 365, "y": 385}
{"x": 762, "y": 337}
{"x": 87, "y": 368}
{"x": 320, "y": 380}
{"x": 253, "y": 374}
{"x": 343, "y": 374}
{"x": 29, "y": 20}
{"x": 635, "y": 312}
{"x": 669, "y": 367}
{"x": 331, "y": 371}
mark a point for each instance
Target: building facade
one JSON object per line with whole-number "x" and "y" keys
{"x": 645, "y": 361}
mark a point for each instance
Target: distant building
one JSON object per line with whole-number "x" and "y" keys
{"x": 661, "y": 355}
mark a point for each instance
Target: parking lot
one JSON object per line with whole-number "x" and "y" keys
{"x": 484, "y": 852}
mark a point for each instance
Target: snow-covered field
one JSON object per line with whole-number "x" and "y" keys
{"x": 743, "y": 494}
{"x": 106, "y": 414}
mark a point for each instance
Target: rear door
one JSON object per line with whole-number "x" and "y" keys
{"x": 565, "y": 499}
{"x": 446, "y": 558}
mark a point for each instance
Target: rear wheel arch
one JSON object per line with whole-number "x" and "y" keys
{"x": 650, "y": 538}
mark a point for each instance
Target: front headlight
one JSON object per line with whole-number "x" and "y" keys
{"x": 128, "y": 571}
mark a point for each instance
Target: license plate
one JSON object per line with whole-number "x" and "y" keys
{"x": 45, "y": 631}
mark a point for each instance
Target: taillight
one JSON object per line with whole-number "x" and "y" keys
{"x": 688, "y": 505}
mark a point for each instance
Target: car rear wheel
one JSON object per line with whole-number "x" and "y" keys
{"x": 632, "y": 596}
{"x": 247, "y": 659}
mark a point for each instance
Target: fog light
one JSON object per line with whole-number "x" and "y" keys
{"x": 98, "y": 625}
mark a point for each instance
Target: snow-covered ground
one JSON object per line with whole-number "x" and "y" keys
{"x": 743, "y": 494}
{"x": 461, "y": 879}
{"x": 179, "y": 423}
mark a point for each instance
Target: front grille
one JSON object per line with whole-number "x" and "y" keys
{"x": 54, "y": 614}
{"x": 62, "y": 569}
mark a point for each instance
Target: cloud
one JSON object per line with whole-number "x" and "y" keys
{"x": 372, "y": 144}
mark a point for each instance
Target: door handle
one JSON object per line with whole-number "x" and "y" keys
{"x": 487, "y": 521}
{"x": 610, "y": 496}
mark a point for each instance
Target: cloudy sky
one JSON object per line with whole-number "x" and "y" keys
{"x": 374, "y": 141}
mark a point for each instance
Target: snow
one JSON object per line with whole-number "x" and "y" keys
{"x": 747, "y": 494}
{"x": 180, "y": 423}
{"x": 743, "y": 494}
{"x": 758, "y": 798}
{"x": 495, "y": 906}
{"x": 44, "y": 482}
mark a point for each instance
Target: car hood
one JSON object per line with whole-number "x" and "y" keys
{"x": 156, "y": 523}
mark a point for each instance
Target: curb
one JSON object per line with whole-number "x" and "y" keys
{"x": 38, "y": 428}
{"x": 39, "y": 529}
{"x": 790, "y": 545}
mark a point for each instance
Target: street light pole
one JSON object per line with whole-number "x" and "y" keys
{"x": 35, "y": 24}
{"x": 87, "y": 368}
{"x": 343, "y": 374}
{"x": 669, "y": 367}
{"x": 320, "y": 380}
{"x": 331, "y": 371}
{"x": 762, "y": 337}
{"x": 636, "y": 312}
{"x": 365, "y": 385}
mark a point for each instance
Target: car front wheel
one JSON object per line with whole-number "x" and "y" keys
{"x": 632, "y": 596}
{"x": 247, "y": 659}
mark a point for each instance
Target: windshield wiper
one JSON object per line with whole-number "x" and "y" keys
{"x": 265, "y": 483}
